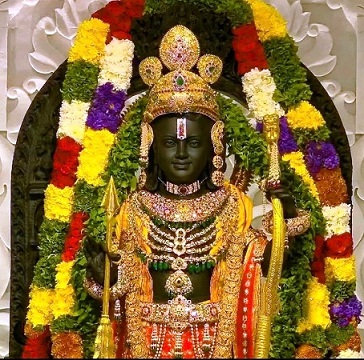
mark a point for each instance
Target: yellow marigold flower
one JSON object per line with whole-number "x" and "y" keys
{"x": 63, "y": 301}
{"x": 296, "y": 162}
{"x": 340, "y": 269}
{"x": 40, "y": 305}
{"x": 93, "y": 158}
{"x": 83, "y": 48}
{"x": 64, "y": 292}
{"x": 316, "y": 307}
{"x": 306, "y": 116}
{"x": 268, "y": 21}
{"x": 58, "y": 203}
{"x": 73, "y": 119}
{"x": 63, "y": 275}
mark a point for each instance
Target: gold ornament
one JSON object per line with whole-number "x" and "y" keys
{"x": 217, "y": 134}
{"x": 217, "y": 178}
{"x": 181, "y": 91}
{"x": 295, "y": 226}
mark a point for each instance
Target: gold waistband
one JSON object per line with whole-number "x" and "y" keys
{"x": 180, "y": 313}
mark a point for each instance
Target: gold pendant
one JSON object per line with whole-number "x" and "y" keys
{"x": 178, "y": 283}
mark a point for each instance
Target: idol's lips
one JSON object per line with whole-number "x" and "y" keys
{"x": 181, "y": 166}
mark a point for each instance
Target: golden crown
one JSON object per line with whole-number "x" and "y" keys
{"x": 181, "y": 90}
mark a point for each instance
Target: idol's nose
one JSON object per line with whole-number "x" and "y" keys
{"x": 181, "y": 150}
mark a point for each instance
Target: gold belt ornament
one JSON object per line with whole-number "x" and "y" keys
{"x": 179, "y": 313}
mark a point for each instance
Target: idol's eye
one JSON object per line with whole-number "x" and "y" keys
{"x": 169, "y": 143}
{"x": 193, "y": 143}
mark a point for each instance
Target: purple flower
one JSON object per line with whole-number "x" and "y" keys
{"x": 259, "y": 126}
{"x": 106, "y": 107}
{"x": 286, "y": 142}
{"x": 343, "y": 313}
{"x": 320, "y": 155}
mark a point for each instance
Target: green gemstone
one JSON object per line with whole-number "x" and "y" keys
{"x": 191, "y": 268}
{"x": 180, "y": 81}
{"x": 203, "y": 266}
{"x": 155, "y": 265}
{"x": 165, "y": 266}
{"x": 209, "y": 264}
{"x": 160, "y": 266}
{"x": 197, "y": 268}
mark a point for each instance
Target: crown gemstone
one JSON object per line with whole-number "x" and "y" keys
{"x": 180, "y": 80}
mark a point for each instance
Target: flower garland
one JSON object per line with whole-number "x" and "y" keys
{"x": 302, "y": 119}
{"x": 83, "y": 61}
{"x": 90, "y": 125}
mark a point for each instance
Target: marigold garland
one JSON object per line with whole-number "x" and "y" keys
{"x": 331, "y": 195}
{"x": 58, "y": 203}
{"x": 93, "y": 158}
{"x": 84, "y": 49}
{"x": 304, "y": 115}
{"x": 296, "y": 161}
{"x": 67, "y": 345}
{"x": 64, "y": 293}
{"x": 269, "y": 21}
{"x": 318, "y": 300}
{"x": 340, "y": 269}
{"x": 40, "y": 301}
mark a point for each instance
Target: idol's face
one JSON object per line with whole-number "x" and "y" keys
{"x": 182, "y": 148}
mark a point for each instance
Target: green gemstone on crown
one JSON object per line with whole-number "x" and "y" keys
{"x": 180, "y": 81}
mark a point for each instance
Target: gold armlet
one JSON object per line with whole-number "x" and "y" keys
{"x": 295, "y": 226}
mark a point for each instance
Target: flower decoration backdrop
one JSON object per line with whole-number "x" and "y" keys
{"x": 56, "y": 22}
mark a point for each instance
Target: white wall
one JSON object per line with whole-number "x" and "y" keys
{"x": 35, "y": 36}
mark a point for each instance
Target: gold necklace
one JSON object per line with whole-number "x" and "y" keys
{"x": 183, "y": 210}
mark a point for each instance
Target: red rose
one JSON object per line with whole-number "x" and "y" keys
{"x": 123, "y": 23}
{"x": 65, "y": 162}
{"x": 247, "y": 31}
{"x": 134, "y": 8}
{"x": 319, "y": 247}
{"x": 110, "y": 12}
{"x": 317, "y": 265}
{"x": 318, "y": 271}
{"x": 339, "y": 246}
{"x": 38, "y": 347}
{"x": 121, "y": 35}
{"x": 74, "y": 236}
{"x": 61, "y": 180}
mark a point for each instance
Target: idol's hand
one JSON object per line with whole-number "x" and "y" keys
{"x": 95, "y": 256}
{"x": 288, "y": 204}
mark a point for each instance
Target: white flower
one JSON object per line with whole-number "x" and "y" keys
{"x": 350, "y": 354}
{"x": 337, "y": 219}
{"x": 259, "y": 87}
{"x": 72, "y": 120}
{"x": 116, "y": 65}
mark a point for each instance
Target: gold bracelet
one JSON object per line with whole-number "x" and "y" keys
{"x": 96, "y": 290}
{"x": 93, "y": 288}
{"x": 295, "y": 226}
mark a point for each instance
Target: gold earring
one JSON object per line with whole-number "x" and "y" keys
{"x": 217, "y": 134}
{"x": 145, "y": 144}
